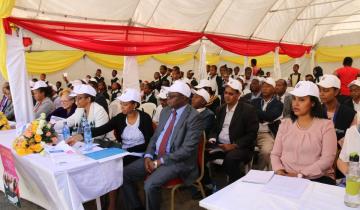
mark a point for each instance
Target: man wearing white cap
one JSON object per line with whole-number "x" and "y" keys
{"x": 269, "y": 111}
{"x": 199, "y": 100}
{"x": 354, "y": 101}
{"x": 341, "y": 115}
{"x": 172, "y": 151}
{"x": 88, "y": 108}
{"x": 234, "y": 132}
{"x": 163, "y": 103}
{"x": 42, "y": 94}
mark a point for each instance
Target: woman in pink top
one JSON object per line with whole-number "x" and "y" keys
{"x": 305, "y": 145}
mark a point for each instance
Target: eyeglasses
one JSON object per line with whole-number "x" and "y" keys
{"x": 171, "y": 95}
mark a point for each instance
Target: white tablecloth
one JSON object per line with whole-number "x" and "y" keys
{"x": 63, "y": 187}
{"x": 242, "y": 195}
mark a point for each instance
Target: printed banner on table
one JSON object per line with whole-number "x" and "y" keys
{"x": 10, "y": 178}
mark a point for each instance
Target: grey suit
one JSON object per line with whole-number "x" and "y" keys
{"x": 180, "y": 162}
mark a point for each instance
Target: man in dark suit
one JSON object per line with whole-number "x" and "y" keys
{"x": 172, "y": 151}
{"x": 164, "y": 74}
{"x": 234, "y": 132}
{"x": 269, "y": 111}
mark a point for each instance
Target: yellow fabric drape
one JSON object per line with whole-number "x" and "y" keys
{"x": 211, "y": 59}
{"x": 263, "y": 60}
{"x": 113, "y": 61}
{"x": 336, "y": 54}
{"x": 6, "y": 7}
{"x": 51, "y": 61}
{"x": 174, "y": 58}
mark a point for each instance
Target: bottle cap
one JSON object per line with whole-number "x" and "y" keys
{"x": 354, "y": 157}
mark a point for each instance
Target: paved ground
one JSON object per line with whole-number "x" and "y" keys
{"x": 183, "y": 199}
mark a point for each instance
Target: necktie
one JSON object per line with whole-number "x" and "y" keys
{"x": 165, "y": 139}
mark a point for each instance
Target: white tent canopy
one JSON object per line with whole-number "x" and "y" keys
{"x": 288, "y": 21}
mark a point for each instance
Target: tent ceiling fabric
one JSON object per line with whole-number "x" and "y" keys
{"x": 287, "y": 21}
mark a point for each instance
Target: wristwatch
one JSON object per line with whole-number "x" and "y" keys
{"x": 300, "y": 175}
{"x": 155, "y": 164}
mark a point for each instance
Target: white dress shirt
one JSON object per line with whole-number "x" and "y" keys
{"x": 224, "y": 136}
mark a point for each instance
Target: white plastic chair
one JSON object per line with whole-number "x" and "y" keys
{"x": 148, "y": 108}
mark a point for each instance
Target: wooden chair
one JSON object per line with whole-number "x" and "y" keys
{"x": 174, "y": 184}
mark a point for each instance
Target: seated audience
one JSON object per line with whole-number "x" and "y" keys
{"x": 115, "y": 90}
{"x": 354, "y": 100}
{"x": 190, "y": 79}
{"x": 102, "y": 90}
{"x": 199, "y": 100}
{"x": 6, "y": 104}
{"x": 351, "y": 145}
{"x": 248, "y": 78}
{"x": 156, "y": 83}
{"x": 42, "y": 94}
{"x": 235, "y": 132}
{"x": 164, "y": 75}
{"x": 149, "y": 95}
{"x": 269, "y": 111}
{"x": 114, "y": 77}
{"x": 347, "y": 74}
{"x": 214, "y": 101}
{"x": 99, "y": 98}
{"x": 68, "y": 105}
{"x": 172, "y": 151}
{"x": 255, "y": 88}
{"x": 341, "y": 115}
{"x": 98, "y": 76}
{"x": 283, "y": 96}
{"x": 86, "y": 108}
{"x": 163, "y": 103}
{"x": 309, "y": 77}
{"x": 175, "y": 74}
{"x": 318, "y": 72}
{"x": 58, "y": 87}
{"x": 305, "y": 145}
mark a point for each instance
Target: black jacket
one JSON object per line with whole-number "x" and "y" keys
{"x": 243, "y": 127}
{"x": 101, "y": 100}
{"x": 273, "y": 111}
{"x": 208, "y": 117}
{"x": 118, "y": 124}
{"x": 152, "y": 99}
{"x": 343, "y": 119}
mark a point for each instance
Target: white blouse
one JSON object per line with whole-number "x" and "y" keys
{"x": 132, "y": 136}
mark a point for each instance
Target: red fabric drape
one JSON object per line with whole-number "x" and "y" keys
{"x": 242, "y": 46}
{"x": 110, "y": 39}
{"x": 129, "y": 40}
{"x": 294, "y": 51}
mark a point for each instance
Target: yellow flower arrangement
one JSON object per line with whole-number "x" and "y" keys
{"x": 4, "y": 123}
{"x": 36, "y": 134}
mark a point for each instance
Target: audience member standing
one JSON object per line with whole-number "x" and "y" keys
{"x": 215, "y": 80}
{"x": 296, "y": 76}
{"x": 347, "y": 74}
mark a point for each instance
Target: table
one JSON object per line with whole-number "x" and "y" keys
{"x": 63, "y": 187}
{"x": 242, "y": 195}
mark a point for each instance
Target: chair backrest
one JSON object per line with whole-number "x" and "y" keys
{"x": 114, "y": 108}
{"x": 149, "y": 108}
{"x": 201, "y": 154}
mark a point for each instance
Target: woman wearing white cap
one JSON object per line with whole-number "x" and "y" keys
{"x": 214, "y": 101}
{"x": 133, "y": 128}
{"x": 199, "y": 100}
{"x": 88, "y": 108}
{"x": 305, "y": 145}
{"x": 42, "y": 94}
{"x": 342, "y": 116}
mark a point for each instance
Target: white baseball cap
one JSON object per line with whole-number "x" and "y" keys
{"x": 355, "y": 82}
{"x": 130, "y": 94}
{"x": 93, "y": 79}
{"x": 39, "y": 84}
{"x": 180, "y": 87}
{"x": 203, "y": 93}
{"x": 84, "y": 89}
{"x": 76, "y": 82}
{"x": 163, "y": 92}
{"x": 329, "y": 80}
{"x": 234, "y": 84}
{"x": 305, "y": 88}
{"x": 31, "y": 83}
{"x": 269, "y": 81}
{"x": 203, "y": 83}
{"x": 242, "y": 78}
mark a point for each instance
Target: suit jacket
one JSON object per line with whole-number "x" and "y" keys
{"x": 9, "y": 111}
{"x": 184, "y": 142}
{"x": 243, "y": 127}
{"x": 271, "y": 114}
{"x": 207, "y": 117}
{"x": 287, "y": 105}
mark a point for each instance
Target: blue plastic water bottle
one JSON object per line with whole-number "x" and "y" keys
{"x": 66, "y": 131}
{"x": 87, "y": 137}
